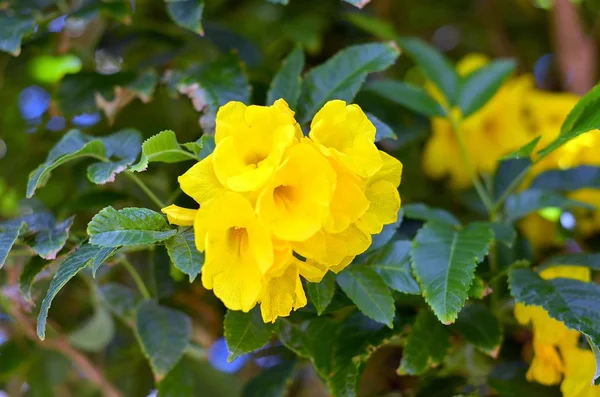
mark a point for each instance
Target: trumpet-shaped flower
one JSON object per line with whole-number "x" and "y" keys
{"x": 579, "y": 370}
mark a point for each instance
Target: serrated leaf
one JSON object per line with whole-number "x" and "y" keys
{"x": 479, "y": 87}
{"x": 524, "y": 151}
{"x": 504, "y": 233}
{"x": 591, "y": 260}
{"x": 507, "y": 173}
{"x": 368, "y": 291}
{"x": 184, "y": 254}
{"x": 162, "y": 147}
{"x": 187, "y": 14}
{"x": 383, "y": 131}
{"x": 478, "y": 325}
{"x": 124, "y": 144}
{"x": 573, "y": 302}
{"x": 179, "y": 382}
{"x": 8, "y": 238}
{"x": 342, "y": 76}
{"x": 12, "y": 30}
{"x": 245, "y": 332}
{"x": 427, "y": 345}
{"x": 66, "y": 271}
{"x": 584, "y": 117}
{"x": 72, "y": 146}
{"x": 392, "y": 263}
{"x": 571, "y": 179}
{"x": 195, "y": 147}
{"x": 272, "y": 382}
{"x": 435, "y": 66}
{"x": 129, "y": 226}
{"x": 406, "y": 95}
{"x": 321, "y": 293}
{"x": 523, "y": 203}
{"x": 287, "y": 82}
{"x": 27, "y": 277}
{"x": 164, "y": 334}
{"x": 444, "y": 261}
{"x": 94, "y": 334}
{"x": 425, "y": 213}
{"x": 121, "y": 300}
{"x": 49, "y": 241}
{"x": 101, "y": 173}
{"x": 103, "y": 255}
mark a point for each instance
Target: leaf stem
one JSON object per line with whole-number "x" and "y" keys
{"x": 136, "y": 277}
{"x": 146, "y": 189}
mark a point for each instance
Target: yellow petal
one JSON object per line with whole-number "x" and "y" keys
{"x": 281, "y": 295}
{"x": 349, "y": 201}
{"x": 580, "y": 273}
{"x": 230, "y": 121}
{"x": 391, "y": 171}
{"x": 546, "y": 367}
{"x": 384, "y": 205}
{"x": 200, "y": 181}
{"x": 546, "y": 329}
{"x": 179, "y": 215}
{"x": 312, "y": 271}
{"x": 342, "y": 265}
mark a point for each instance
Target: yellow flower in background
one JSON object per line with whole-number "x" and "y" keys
{"x": 267, "y": 192}
{"x": 579, "y": 369}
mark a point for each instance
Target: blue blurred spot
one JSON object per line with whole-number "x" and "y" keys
{"x": 217, "y": 357}
{"x": 58, "y": 24}
{"x": 267, "y": 361}
{"x": 542, "y": 68}
{"x": 86, "y": 119}
{"x": 446, "y": 38}
{"x": 33, "y": 102}
{"x": 3, "y": 337}
{"x": 56, "y": 123}
{"x": 567, "y": 220}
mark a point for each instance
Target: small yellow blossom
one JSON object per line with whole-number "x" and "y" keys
{"x": 580, "y": 367}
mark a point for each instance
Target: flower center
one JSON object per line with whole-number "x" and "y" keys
{"x": 238, "y": 239}
{"x": 284, "y": 196}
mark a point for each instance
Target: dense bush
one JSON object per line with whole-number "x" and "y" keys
{"x": 257, "y": 198}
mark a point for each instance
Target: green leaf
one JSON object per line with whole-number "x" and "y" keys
{"x": 66, "y": 271}
{"x": 571, "y": 179}
{"x": 162, "y": 147}
{"x": 504, "y": 233}
{"x": 479, "y": 87}
{"x": 383, "y": 131}
{"x": 435, "y": 66}
{"x": 179, "y": 382}
{"x": 96, "y": 333}
{"x": 72, "y": 146}
{"x": 272, "y": 382}
{"x": 321, "y": 293}
{"x": 478, "y": 289}
{"x": 27, "y": 277}
{"x": 577, "y": 259}
{"x": 444, "y": 261}
{"x": 187, "y": 14}
{"x": 121, "y": 300}
{"x": 524, "y": 151}
{"x": 184, "y": 254}
{"x": 342, "y": 76}
{"x": 287, "y": 82}
{"x": 509, "y": 380}
{"x": 427, "y": 345}
{"x": 12, "y": 30}
{"x": 358, "y": 3}
{"x": 596, "y": 351}
{"x": 245, "y": 332}
{"x": 507, "y": 173}
{"x": 125, "y": 145}
{"x": 164, "y": 334}
{"x": 374, "y": 26}
{"x": 425, "y": 213}
{"x": 368, "y": 291}
{"x": 406, "y": 95}
{"x": 392, "y": 263}
{"x": 101, "y": 173}
{"x": 478, "y": 325}
{"x": 129, "y": 226}
{"x": 573, "y": 302}
{"x": 103, "y": 255}
{"x": 49, "y": 241}
{"x": 584, "y": 117}
{"x": 523, "y": 203}
{"x": 8, "y": 237}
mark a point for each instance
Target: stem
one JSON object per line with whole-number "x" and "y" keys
{"x": 136, "y": 277}
{"x": 487, "y": 202}
{"x": 146, "y": 190}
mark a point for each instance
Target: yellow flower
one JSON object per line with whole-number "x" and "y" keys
{"x": 282, "y": 294}
{"x": 345, "y": 133}
{"x": 250, "y": 142}
{"x": 546, "y": 367}
{"x": 579, "y": 370}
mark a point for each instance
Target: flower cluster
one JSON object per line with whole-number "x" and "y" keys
{"x": 276, "y": 205}
{"x": 556, "y": 352}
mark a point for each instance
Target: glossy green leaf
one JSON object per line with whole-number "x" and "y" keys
{"x": 392, "y": 263}
{"x": 568, "y": 180}
{"x": 103, "y": 255}
{"x": 591, "y": 260}
{"x": 129, "y": 226}
{"x": 66, "y": 271}
{"x": 479, "y": 87}
{"x": 435, "y": 66}
{"x": 406, "y": 95}
{"x": 321, "y": 293}
{"x": 478, "y": 325}
{"x": 369, "y": 292}
{"x": 30, "y": 270}
{"x": 287, "y": 82}
{"x": 272, "y": 382}
{"x": 425, "y": 213}
{"x": 187, "y": 14}
{"x": 524, "y": 151}
{"x": 572, "y": 302}
{"x": 444, "y": 261}
{"x": 95, "y": 333}
{"x": 124, "y": 145}
{"x": 162, "y": 147}
{"x": 49, "y": 241}
{"x": 12, "y": 30}
{"x": 120, "y": 300}
{"x": 342, "y": 76}
{"x": 8, "y": 237}
{"x": 164, "y": 334}
{"x": 245, "y": 332}
{"x": 523, "y": 203}
{"x": 584, "y": 117}
{"x": 184, "y": 254}
{"x": 427, "y": 345}
{"x": 383, "y": 131}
